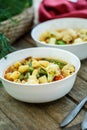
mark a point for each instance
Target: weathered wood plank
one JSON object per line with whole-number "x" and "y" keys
{"x": 79, "y": 90}
{"x": 36, "y": 116}
{"x": 60, "y": 108}
{"x": 5, "y": 123}
{"x": 26, "y": 116}
{"x": 29, "y": 39}
{"x": 22, "y": 44}
{"x": 83, "y": 70}
{"x": 75, "y": 127}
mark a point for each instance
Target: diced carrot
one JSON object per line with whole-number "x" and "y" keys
{"x": 58, "y": 77}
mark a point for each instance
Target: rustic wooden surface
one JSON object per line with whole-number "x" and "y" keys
{"x": 16, "y": 115}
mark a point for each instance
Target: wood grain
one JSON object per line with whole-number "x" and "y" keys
{"x": 6, "y": 123}
{"x": 37, "y": 116}
{"x": 75, "y": 127}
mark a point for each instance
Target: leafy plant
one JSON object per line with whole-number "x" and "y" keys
{"x": 5, "y": 46}
{"x": 10, "y": 8}
{"x": 1, "y": 84}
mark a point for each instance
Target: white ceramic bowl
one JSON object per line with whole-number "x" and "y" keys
{"x": 79, "y": 49}
{"x": 42, "y": 92}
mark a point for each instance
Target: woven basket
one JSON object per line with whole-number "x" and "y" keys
{"x": 24, "y": 23}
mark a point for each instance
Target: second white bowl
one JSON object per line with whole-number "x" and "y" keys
{"x": 79, "y": 49}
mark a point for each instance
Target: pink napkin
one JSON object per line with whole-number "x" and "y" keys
{"x": 51, "y": 9}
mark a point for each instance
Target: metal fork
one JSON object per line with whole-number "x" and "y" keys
{"x": 73, "y": 113}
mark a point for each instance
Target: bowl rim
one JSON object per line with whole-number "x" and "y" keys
{"x": 44, "y": 84}
{"x": 53, "y": 20}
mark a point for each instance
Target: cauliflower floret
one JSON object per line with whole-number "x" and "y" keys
{"x": 67, "y": 38}
{"x": 69, "y": 35}
{"x": 78, "y": 40}
{"x": 72, "y": 32}
{"x": 52, "y": 70}
{"x": 68, "y": 70}
{"x": 59, "y": 35}
{"x": 32, "y": 80}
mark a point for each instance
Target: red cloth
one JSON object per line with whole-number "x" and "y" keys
{"x": 51, "y": 9}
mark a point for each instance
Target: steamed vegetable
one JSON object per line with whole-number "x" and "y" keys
{"x": 38, "y": 70}
{"x": 64, "y": 36}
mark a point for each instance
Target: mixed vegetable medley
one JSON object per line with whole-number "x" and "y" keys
{"x": 64, "y": 36}
{"x": 38, "y": 70}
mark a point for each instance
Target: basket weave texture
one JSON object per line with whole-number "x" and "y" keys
{"x": 24, "y": 23}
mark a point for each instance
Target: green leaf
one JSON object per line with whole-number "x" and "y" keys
{"x": 42, "y": 72}
{"x": 5, "y": 47}
{"x": 10, "y": 8}
{"x": 30, "y": 67}
{"x": 1, "y": 84}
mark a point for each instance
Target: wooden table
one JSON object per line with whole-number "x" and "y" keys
{"x": 16, "y": 115}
